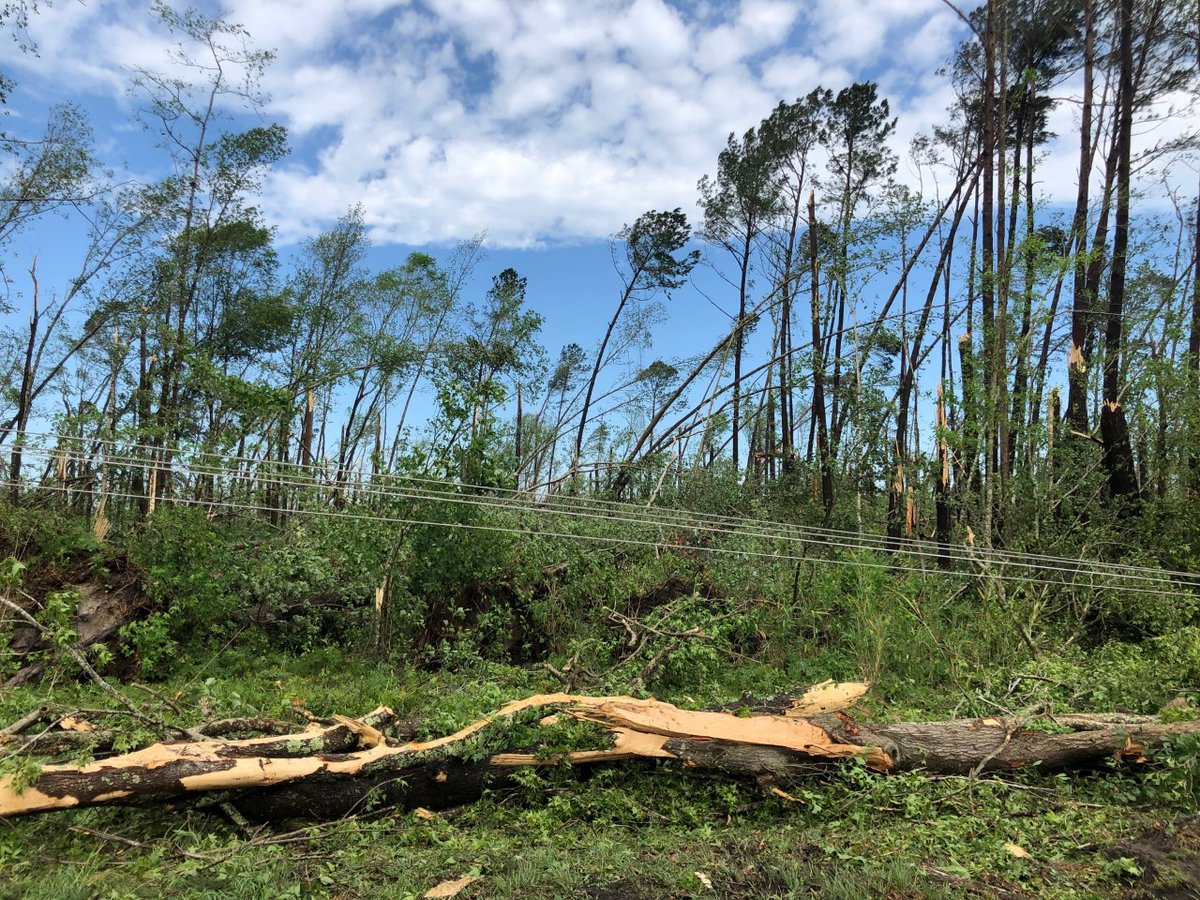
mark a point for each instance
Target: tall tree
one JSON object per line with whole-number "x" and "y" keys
{"x": 738, "y": 204}
{"x": 652, "y": 260}
{"x": 325, "y": 289}
{"x": 856, "y": 134}
{"x": 213, "y": 172}
{"x": 791, "y": 132}
{"x": 1114, "y": 425}
{"x": 820, "y": 420}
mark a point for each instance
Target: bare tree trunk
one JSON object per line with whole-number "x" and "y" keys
{"x": 517, "y": 441}
{"x": 988, "y": 281}
{"x": 1081, "y": 304}
{"x": 897, "y": 505}
{"x": 824, "y": 461}
{"x": 591, "y": 388}
{"x": 968, "y": 477}
{"x": 942, "y": 485}
{"x": 1019, "y": 415}
{"x": 1194, "y": 337}
{"x": 23, "y": 397}
{"x": 1000, "y": 369}
{"x": 739, "y": 345}
{"x": 1114, "y": 428}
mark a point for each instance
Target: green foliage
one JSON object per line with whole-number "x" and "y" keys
{"x": 50, "y": 542}
{"x": 153, "y": 641}
{"x": 191, "y": 565}
{"x": 56, "y": 615}
{"x": 1174, "y": 782}
{"x": 654, "y": 251}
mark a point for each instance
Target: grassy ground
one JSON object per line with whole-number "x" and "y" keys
{"x": 241, "y": 621}
{"x": 635, "y": 831}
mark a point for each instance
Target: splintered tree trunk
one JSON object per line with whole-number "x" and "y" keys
{"x": 327, "y": 772}
{"x": 1114, "y": 428}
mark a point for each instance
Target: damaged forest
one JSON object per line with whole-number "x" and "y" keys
{"x": 324, "y": 571}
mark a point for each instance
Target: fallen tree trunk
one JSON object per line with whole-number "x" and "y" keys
{"x": 328, "y": 771}
{"x": 966, "y": 746}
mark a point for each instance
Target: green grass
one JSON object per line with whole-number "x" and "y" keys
{"x": 641, "y": 830}
{"x": 933, "y": 647}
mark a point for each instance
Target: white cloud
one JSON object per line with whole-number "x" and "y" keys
{"x": 537, "y": 120}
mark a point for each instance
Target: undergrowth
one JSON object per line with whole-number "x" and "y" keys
{"x": 242, "y": 619}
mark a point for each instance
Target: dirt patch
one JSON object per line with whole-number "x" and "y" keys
{"x": 626, "y": 889}
{"x": 101, "y": 613}
{"x": 1169, "y": 857}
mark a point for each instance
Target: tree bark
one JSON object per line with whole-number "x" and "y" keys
{"x": 818, "y": 392}
{"x": 330, "y": 771}
{"x": 23, "y": 397}
{"x": 1114, "y": 428}
{"x": 1077, "y": 358}
{"x": 1194, "y": 337}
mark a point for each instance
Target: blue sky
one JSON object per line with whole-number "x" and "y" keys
{"x": 547, "y": 124}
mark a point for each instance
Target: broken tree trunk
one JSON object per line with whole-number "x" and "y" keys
{"x": 330, "y": 771}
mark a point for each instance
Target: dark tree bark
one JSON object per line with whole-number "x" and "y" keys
{"x": 1194, "y": 337}
{"x": 987, "y": 289}
{"x": 23, "y": 396}
{"x": 820, "y": 419}
{"x": 911, "y": 364}
{"x": 1114, "y": 428}
{"x": 1078, "y": 357}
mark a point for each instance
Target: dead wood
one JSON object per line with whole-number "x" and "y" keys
{"x": 98, "y": 620}
{"x": 966, "y": 746}
{"x": 328, "y": 771}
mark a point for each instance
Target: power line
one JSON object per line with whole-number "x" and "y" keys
{"x": 640, "y": 515}
{"x": 730, "y": 527}
{"x": 738, "y": 530}
{"x": 624, "y": 511}
{"x": 609, "y": 539}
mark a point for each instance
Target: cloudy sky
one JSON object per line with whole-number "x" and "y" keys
{"x": 542, "y": 122}
{"x": 546, "y": 124}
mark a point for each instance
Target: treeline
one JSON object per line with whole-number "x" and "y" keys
{"x": 890, "y": 362}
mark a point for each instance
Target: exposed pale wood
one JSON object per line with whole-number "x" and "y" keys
{"x": 329, "y": 770}
{"x": 827, "y": 697}
{"x": 169, "y": 770}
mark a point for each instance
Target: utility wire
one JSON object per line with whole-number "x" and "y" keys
{"x": 492, "y": 503}
{"x": 611, "y": 509}
{"x": 737, "y": 528}
{"x": 609, "y": 539}
{"x": 744, "y": 528}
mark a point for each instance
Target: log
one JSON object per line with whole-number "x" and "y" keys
{"x": 975, "y": 746}
{"x": 328, "y": 771}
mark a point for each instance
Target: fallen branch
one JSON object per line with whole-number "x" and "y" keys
{"x": 328, "y": 771}
{"x": 26, "y": 721}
